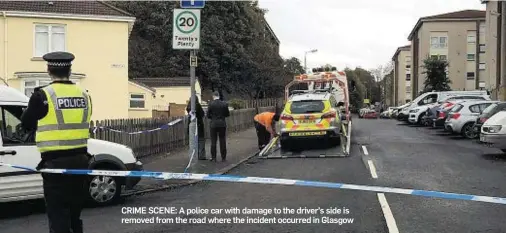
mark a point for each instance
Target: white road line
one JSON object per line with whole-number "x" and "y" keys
{"x": 365, "y": 150}
{"x": 372, "y": 168}
{"x": 389, "y": 217}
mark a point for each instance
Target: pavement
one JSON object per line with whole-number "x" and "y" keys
{"x": 240, "y": 147}
{"x": 383, "y": 153}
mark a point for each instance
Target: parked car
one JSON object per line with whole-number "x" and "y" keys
{"x": 493, "y": 131}
{"x": 18, "y": 147}
{"x": 488, "y": 113}
{"x": 463, "y": 115}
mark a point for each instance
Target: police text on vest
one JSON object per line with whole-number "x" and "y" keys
{"x": 71, "y": 103}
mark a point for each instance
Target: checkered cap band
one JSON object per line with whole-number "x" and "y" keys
{"x": 59, "y": 64}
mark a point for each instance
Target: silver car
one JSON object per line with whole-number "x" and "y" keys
{"x": 463, "y": 115}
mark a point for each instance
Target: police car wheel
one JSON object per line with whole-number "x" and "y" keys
{"x": 104, "y": 190}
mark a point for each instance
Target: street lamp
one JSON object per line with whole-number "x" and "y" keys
{"x": 305, "y": 54}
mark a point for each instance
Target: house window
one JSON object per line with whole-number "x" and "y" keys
{"x": 470, "y": 57}
{"x": 433, "y": 56}
{"x": 481, "y": 66}
{"x": 442, "y": 57}
{"x": 137, "y": 101}
{"x": 29, "y": 85}
{"x": 408, "y": 66}
{"x": 440, "y": 42}
{"x": 48, "y": 38}
{"x": 408, "y": 77}
{"x": 482, "y": 48}
{"x": 470, "y": 75}
{"x": 471, "y": 39}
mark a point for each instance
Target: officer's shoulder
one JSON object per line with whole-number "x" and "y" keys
{"x": 39, "y": 88}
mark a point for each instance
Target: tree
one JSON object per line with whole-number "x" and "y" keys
{"x": 435, "y": 75}
{"x": 384, "y": 82}
{"x": 293, "y": 66}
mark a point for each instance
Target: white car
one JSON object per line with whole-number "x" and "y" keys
{"x": 18, "y": 147}
{"x": 493, "y": 131}
{"x": 463, "y": 115}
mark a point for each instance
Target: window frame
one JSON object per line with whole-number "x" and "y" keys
{"x": 480, "y": 67}
{"x": 49, "y": 29}
{"x": 471, "y": 59}
{"x": 470, "y": 77}
{"x": 38, "y": 83}
{"x": 484, "y": 48}
{"x": 472, "y": 41}
{"x": 408, "y": 77}
{"x": 439, "y": 45}
{"x": 130, "y": 99}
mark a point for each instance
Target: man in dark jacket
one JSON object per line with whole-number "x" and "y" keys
{"x": 217, "y": 112}
{"x": 200, "y": 127}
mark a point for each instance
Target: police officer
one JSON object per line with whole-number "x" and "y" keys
{"x": 60, "y": 112}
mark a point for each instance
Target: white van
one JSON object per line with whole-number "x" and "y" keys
{"x": 434, "y": 97}
{"x": 18, "y": 147}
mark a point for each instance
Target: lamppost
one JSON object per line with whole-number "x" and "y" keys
{"x": 305, "y": 54}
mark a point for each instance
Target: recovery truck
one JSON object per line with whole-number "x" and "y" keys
{"x": 318, "y": 108}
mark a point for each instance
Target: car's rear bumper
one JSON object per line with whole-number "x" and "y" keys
{"x": 498, "y": 140}
{"x": 130, "y": 182}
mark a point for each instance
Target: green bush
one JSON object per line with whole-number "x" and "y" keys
{"x": 237, "y": 104}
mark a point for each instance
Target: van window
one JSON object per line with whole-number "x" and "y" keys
{"x": 10, "y": 126}
{"x": 307, "y": 106}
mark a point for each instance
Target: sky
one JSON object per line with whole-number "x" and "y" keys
{"x": 346, "y": 33}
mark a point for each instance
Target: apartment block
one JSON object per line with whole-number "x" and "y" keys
{"x": 402, "y": 75}
{"x": 460, "y": 38}
{"x": 495, "y": 57}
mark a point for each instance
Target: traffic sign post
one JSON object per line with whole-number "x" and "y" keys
{"x": 186, "y": 36}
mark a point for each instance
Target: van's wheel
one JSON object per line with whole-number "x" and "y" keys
{"x": 419, "y": 121}
{"x": 104, "y": 190}
{"x": 468, "y": 131}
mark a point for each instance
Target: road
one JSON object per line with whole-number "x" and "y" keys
{"x": 383, "y": 153}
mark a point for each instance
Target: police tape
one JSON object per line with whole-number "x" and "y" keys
{"x": 261, "y": 180}
{"x": 163, "y": 127}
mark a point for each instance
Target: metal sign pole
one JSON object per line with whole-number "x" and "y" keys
{"x": 186, "y": 35}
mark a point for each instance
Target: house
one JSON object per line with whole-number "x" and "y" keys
{"x": 495, "y": 36}
{"x": 95, "y": 32}
{"x": 175, "y": 90}
{"x": 402, "y": 75}
{"x": 458, "y": 37}
{"x": 271, "y": 36}
{"x": 142, "y": 100}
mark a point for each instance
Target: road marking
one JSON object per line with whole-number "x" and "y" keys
{"x": 365, "y": 150}
{"x": 372, "y": 169}
{"x": 389, "y": 217}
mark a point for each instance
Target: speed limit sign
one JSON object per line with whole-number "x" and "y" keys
{"x": 186, "y": 29}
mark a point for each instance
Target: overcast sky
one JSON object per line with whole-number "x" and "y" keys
{"x": 353, "y": 33}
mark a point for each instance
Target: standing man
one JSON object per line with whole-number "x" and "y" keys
{"x": 217, "y": 112}
{"x": 265, "y": 127}
{"x": 61, "y": 112}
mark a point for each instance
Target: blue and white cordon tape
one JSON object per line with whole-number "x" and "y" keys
{"x": 165, "y": 126}
{"x": 260, "y": 180}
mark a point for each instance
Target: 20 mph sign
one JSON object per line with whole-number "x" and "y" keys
{"x": 186, "y": 29}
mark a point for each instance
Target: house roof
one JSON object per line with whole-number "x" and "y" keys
{"x": 64, "y": 7}
{"x": 165, "y": 82}
{"x": 142, "y": 85}
{"x": 451, "y": 16}
{"x": 402, "y": 48}
{"x": 271, "y": 31}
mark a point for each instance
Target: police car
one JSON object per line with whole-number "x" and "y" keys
{"x": 18, "y": 147}
{"x": 310, "y": 115}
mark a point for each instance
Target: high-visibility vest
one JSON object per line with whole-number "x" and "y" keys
{"x": 264, "y": 118}
{"x": 67, "y": 122}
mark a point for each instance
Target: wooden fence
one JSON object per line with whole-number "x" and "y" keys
{"x": 164, "y": 140}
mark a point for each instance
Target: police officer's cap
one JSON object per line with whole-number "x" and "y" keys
{"x": 59, "y": 59}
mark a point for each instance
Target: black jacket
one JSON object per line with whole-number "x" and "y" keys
{"x": 217, "y": 112}
{"x": 200, "y": 118}
{"x": 36, "y": 110}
